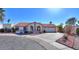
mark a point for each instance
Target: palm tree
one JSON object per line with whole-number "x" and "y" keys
{"x": 50, "y": 22}
{"x": 8, "y": 21}
{"x": 2, "y": 14}
{"x": 71, "y": 21}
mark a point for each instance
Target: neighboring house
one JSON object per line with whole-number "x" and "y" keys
{"x": 35, "y": 27}
{"x": 1, "y": 26}
{"x": 72, "y": 28}
{"x": 6, "y": 28}
{"x": 9, "y": 26}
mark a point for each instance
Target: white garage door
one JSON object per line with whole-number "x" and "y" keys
{"x": 50, "y": 30}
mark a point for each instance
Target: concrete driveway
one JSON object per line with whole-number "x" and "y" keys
{"x": 48, "y": 40}
{"x": 51, "y": 39}
{"x": 50, "y": 36}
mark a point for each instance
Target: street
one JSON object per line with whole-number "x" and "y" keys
{"x": 45, "y": 41}
{"x": 18, "y": 43}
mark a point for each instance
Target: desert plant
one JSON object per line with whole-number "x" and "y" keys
{"x": 60, "y": 28}
{"x": 13, "y": 29}
{"x": 1, "y": 30}
{"x": 77, "y": 31}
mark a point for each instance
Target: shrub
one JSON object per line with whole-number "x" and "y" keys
{"x": 1, "y": 30}
{"x": 6, "y": 30}
{"x": 13, "y": 30}
{"x": 77, "y": 31}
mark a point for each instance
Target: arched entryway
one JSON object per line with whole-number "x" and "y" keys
{"x": 38, "y": 28}
{"x": 35, "y": 28}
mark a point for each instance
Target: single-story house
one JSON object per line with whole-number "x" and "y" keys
{"x": 35, "y": 27}
{"x": 6, "y": 27}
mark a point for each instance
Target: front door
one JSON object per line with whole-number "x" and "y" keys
{"x": 21, "y": 29}
{"x": 25, "y": 30}
{"x": 38, "y": 28}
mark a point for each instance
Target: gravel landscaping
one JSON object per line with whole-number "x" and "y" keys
{"x": 72, "y": 42}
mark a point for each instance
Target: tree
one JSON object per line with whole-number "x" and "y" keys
{"x": 60, "y": 27}
{"x": 50, "y": 22}
{"x": 8, "y": 21}
{"x": 71, "y": 21}
{"x": 78, "y": 22}
{"x": 2, "y": 14}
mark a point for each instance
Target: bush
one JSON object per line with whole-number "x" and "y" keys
{"x": 7, "y": 30}
{"x": 1, "y": 30}
{"x": 13, "y": 30}
{"x": 77, "y": 31}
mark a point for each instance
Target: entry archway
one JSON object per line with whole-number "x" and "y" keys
{"x": 38, "y": 28}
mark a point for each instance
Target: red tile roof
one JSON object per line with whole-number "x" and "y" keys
{"x": 35, "y": 23}
{"x": 23, "y": 24}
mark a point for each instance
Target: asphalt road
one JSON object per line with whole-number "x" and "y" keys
{"x": 18, "y": 43}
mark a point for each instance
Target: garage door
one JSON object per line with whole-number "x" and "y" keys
{"x": 51, "y": 30}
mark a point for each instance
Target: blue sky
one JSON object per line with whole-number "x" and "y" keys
{"x": 43, "y": 15}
